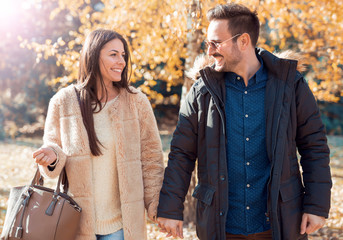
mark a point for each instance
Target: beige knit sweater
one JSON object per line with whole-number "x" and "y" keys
{"x": 105, "y": 176}
{"x": 139, "y": 158}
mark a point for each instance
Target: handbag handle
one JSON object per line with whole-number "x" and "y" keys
{"x": 62, "y": 179}
{"x": 39, "y": 180}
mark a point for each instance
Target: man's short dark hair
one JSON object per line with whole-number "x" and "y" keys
{"x": 240, "y": 19}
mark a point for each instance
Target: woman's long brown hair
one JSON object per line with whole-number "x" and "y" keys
{"x": 89, "y": 74}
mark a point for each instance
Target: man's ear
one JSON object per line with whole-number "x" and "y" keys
{"x": 244, "y": 41}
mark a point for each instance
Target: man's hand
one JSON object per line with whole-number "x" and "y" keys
{"x": 311, "y": 223}
{"x": 171, "y": 226}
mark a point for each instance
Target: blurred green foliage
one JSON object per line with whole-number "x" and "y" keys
{"x": 332, "y": 116}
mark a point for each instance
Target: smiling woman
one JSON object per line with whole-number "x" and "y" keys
{"x": 103, "y": 131}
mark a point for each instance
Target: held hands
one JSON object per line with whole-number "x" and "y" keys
{"x": 311, "y": 223}
{"x": 44, "y": 156}
{"x": 171, "y": 226}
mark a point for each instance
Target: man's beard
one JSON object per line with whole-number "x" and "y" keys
{"x": 230, "y": 64}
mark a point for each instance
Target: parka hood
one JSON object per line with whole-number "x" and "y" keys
{"x": 204, "y": 60}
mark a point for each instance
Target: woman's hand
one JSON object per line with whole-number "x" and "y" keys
{"x": 171, "y": 227}
{"x": 44, "y": 156}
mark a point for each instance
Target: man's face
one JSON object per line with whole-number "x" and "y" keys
{"x": 226, "y": 55}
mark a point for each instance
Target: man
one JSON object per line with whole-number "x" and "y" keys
{"x": 243, "y": 120}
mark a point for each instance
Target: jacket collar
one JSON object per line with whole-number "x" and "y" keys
{"x": 278, "y": 67}
{"x": 214, "y": 81}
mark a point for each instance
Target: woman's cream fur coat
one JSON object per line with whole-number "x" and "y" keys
{"x": 139, "y": 158}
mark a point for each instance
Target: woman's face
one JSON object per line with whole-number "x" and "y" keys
{"x": 112, "y": 61}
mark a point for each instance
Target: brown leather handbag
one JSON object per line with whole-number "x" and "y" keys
{"x": 38, "y": 213}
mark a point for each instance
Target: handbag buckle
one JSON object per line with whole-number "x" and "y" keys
{"x": 19, "y": 232}
{"x": 77, "y": 208}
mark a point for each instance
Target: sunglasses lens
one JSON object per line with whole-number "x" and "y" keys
{"x": 210, "y": 44}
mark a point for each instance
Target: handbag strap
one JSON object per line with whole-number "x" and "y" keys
{"x": 38, "y": 178}
{"x": 62, "y": 179}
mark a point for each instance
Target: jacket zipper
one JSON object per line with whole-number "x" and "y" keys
{"x": 269, "y": 215}
{"x": 222, "y": 119}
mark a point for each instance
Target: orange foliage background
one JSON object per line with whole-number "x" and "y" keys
{"x": 157, "y": 31}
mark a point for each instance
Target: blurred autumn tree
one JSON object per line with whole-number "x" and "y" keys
{"x": 165, "y": 36}
{"x": 153, "y": 28}
{"x": 314, "y": 28}
{"x": 24, "y": 88}
{"x": 159, "y": 35}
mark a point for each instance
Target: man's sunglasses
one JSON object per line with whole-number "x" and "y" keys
{"x": 215, "y": 45}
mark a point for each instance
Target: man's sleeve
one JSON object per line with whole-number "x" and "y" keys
{"x": 182, "y": 157}
{"x": 312, "y": 146}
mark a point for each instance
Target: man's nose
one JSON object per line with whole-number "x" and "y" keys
{"x": 211, "y": 51}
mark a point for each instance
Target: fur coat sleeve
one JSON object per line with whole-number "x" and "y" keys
{"x": 52, "y": 138}
{"x": 151, "y": 156}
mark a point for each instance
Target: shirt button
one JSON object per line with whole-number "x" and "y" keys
{"x": 248, "y": 185}
{"x": 246, "y": 115}
{"x": 245, "y": 92}
{"x": 248, "y": 207}
{"x": 248, "y": 163}
{"x": 222, "y": 177}
{"x": 221, "y": 213}
{"x": 247, "y": 139}
{"x": 238, "y": 78}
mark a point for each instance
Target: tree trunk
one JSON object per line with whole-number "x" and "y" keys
{"x": 193, "y": 50}
{"x": 194, "y": 39}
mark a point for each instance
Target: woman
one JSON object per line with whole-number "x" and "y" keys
{"x": 108, "y": 142}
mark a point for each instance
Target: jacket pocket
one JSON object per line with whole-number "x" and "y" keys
{"x": 290, "y": 208}
{"x": 291, "y": 189}
{"x": 204, "y": 193}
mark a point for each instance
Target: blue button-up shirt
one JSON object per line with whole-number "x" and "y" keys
{"x": 248, "y": 164}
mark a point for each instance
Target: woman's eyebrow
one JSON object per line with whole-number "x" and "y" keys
{"x": 113, "y": 50}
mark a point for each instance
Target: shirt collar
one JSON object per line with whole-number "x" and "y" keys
{"x": 261, "y": 74}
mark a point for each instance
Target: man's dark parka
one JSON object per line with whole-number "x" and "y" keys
{"x": 292, "y": 122}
